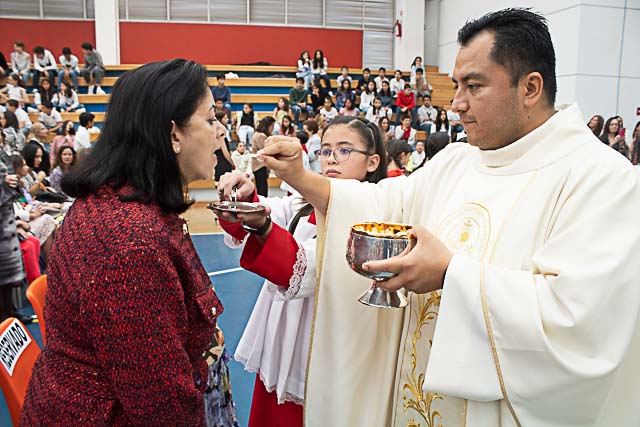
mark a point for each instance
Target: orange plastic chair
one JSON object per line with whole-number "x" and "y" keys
{"x": 35, "y": 294}
{"x": 19, "y": 352}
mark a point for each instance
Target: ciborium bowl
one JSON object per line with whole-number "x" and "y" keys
{"x": 374, "y": 241}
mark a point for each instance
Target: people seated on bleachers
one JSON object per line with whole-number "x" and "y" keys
{"x": 368, "y": 95}
{"x": 398, "y": 153}
{"x": 246, "y": 122}
{"x": 242, "y": 160}
{"x": 223, "y": 154}
{"x": 417, "y": 158}
{"x": 221, "y": 91}
{"x": 420, "y": 84}
{"x": 404, "y": 131}
{"x": 385, "y": 95}
{"x": 38, "y": 139}
{"x": 397, "y": 83}
{"x": 612, "y": 137}
{"x": 50, "y": 117}
{"x": 427, "y": 114}
{"x": 319, "y": 67}
{"x": 382, "y": 77}
{"x": 21, "y": 62}
{"x": 442, "y": 124}
{"x": 286, "y": 127}
{"x": 313, "y": 144}
{"x": 328, "y": 111}
{"x": 387, "y": 130}
{"x": 82, "y": 141}
{"x": 377, "y": 111}
{"x": 45, "y": 92}
{"x": 343, "y": 93}
{"x": 13, "y": 90}
{"x": 220, "y": 108}
{"x": 70, "y": 70}
{"x": 317, "y": 97}
{"x": 349, "y": 109}
{"x": 282, "y": 109}
{"x": 65, "y": 139}
{"x": 44, "y": 65}
{"x": 455, "y": 123}
{"x": 298, "y": 99}
{"x": 405, "y": 102}
{"x": 93, "y": 71}
{"x": 66, "y": 100}
{"x": 24, "y": 122}
{"x": 64, "y": 161}
{"x": 304, "y": 69}
{"x": 29, "y": 210}
{"x": 4, "y": 67}
{"x": 260, "y": 171}
{"x": 14, "y": 140}
{"x": 596, "y": 124}
{"x": 417, "y": 63}
{"x": 344, "y": 75}
{"x": 364, "y": 80}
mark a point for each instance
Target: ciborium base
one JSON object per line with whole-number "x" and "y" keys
{"x": 376, "y": 297}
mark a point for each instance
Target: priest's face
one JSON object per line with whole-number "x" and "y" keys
{"x": 490, "y": 108}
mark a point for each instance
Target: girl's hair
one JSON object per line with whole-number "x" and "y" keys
{"x": 46, "y": 94}
{"x": 635, "y": 130}
{"x": 35, "y": 128}
{"x": 600, "y": 124}
{"x": 16, "y": 161}
{"x": 383, "y": 92}
{"x": 373, "y": 105}
{"x": 342, "y": 87}
{"x": 135, "y": 142}
{"x": 250, "y": 106}
{"x": 66, "y": 92}
{"x": 328, "y": 98}
{"x": 286, "y": 104}
{"x": 353, "y": 105}
{"x": 436, "y": 142}
{"x": 372, "y": 138}
{"x": 311, "y": 125}
{"x": 605, "y": 130}
{"x": 58, "y": 160}
{"x": 415, "y": 59}
{"x": 440, "y": 122}
{"x": 288, "y": 129}
{"x": 220, "y": 115}
{"x": 29, "y": 154}
{"x": 302, "y": 55}
{"x": 265, "y": 124}
{"x": 366, "y": 88}
{"x": 382, "y": 119}
{"x": 12, "y": 120}
{"x": 318, "y": 62}
{"x": 395, "y": 150}
{"x": 64, "y": 128}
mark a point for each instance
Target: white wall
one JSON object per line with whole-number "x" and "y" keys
{"x": 588, "y": 40}
{"x": 107, "y": 30}
{"x": 411, "y": 44}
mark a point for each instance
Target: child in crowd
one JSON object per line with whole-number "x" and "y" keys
{"x": 224, "y": 162}
{"x": 13, "y": 90}
{"x": 66, "y": 100}
{"x": 50, "y": 117}
{"x": 14, "y": 140}
{"x": 70, "y": 69}
{"x": 387, "y": 130}
{"x": 420, "y": 84}
{"x": 322, "y": 123}
{"x": 242, "y": 159}
{"x": 24, "y": 122}
{"x": 405, "y": 102}
{"x": 405, "y": 131}
{"x": 385, "y": 94}
{"x": 44, "y": 65}
{"x": 319, "y": 67}
{"x": 382, "y": 77}
{"x": 82, "y": 141}
{"x": 455, "y": 123}
{"x": 38, "y": 138}
{"x": 286, "y": 128}
{"x": 441, "y": 124}
{"x": 220, "y": 108}
{"x": 304, "y": 69}
{"x": 344, "y": 75}
{"x": 282, "y": 109}
{"x": 93, "y": 71}
{"x": 397, "y": 83}
{"x": 298, "y": 98}
{"x": 313, "y": 144}
{"x": 367, "y": 96}
{"x": 377, "y": 111}
{"x": 260, "y": 171}
{"x": 221, "y": 91}
{"x": 427, "y": 114}
{"x": 285, "y": 255}
{"x": 417, "y": 158}
{"x": 363, "y": 82}
{"x": 21, "y": 62}
{"x": 399, "y": 153}
{"x": 349, "y": 109}
{"x": 344, "y": 92}
{"x": 45, "y": 92}
{"x": 328, "y": 111}
{"x": 417, "y": 63}
{"x": 317, "y": 97}
{"x": 246, "y": 123}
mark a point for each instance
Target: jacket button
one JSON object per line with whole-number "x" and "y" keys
{"x": 214, "y": 311}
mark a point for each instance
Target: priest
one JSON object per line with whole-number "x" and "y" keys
{"x": 523, "y": 286}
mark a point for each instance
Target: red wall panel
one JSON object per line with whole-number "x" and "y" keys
{"x": 52, "y": 35}
{"x": 236, "y": 44}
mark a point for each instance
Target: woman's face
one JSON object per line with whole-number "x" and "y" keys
{"x": 63, "y": 87}
{"x": 305, "y": 55}
{"x": 443, "y": 115}
{"x": 246, "y": 109}
{"x": 418, "y": 61}
{"x": 286, "y": 122}
{"x": 348, "y": 104}
{"x": 614, "y": 126}
{"x": 404, "y": 159}
{"x": 318, "y": 54}
{"x": 42, "y": 133}
{"x": 384, "y": 124}
{"x": 3, "y": 121}
{"x": 377, "y": 103}
{"x": 357, "y": 165}
{"x": 12, "y": 81}
{"x": 225, "y": 121}
{"x": 346, "y": 84}
{"x": 241, "y": 147}
{"x": 593, "y": 122}
{"x": 371, "y": 86}
{"x": 281, "y": 103}
{"x": 327, "y": 105}
{"x": 37, "y": 159}
{"x": 70, "y": 126}
{"x": 385, "y": 85}
{"x": 198, "y": 140}
{"x": 66, "y": 156}
{"x": 24, "y": 170}
{"x": 46, "y": 85}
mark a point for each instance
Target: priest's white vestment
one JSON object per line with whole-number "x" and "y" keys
{"x": 537, "y": 322}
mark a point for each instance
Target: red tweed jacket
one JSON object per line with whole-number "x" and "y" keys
{"x": 129, "y": 312}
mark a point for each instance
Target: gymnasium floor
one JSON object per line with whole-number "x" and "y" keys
{"x": 238, "y": 290}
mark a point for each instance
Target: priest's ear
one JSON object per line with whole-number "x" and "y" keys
{"x": 532, "y": 86}
{"x": 373, "y": 162}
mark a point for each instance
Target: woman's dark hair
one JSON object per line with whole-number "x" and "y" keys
{"x": 312, "y": 125}
{"x": 599, "y": 125}
{"x": 387, "y": 92}
{"x": 353, "y": 105}
{"x": 302, "y": 136}
{"x": 46, "y": 94}
{"x": 436, "y": 142}
{"x": 286, "y": 103}
{"x": 302, "y": 55}
{"x": 522, "y": 44}
{"x": 63, "y": 129}
{"x": 265, "y": 124}
{"x": 382, "y": 119}
{"x": 16, "y": 162}
{"x": 66, "y": 92}
{"x": 250, "y": 106}
{"x": 29, "y": 154}
{"x": 395, "y": 150}
{"x": 288, "y": 129}
{"x": 135, "y": 142}
{"x": 439, "y": 122}
{"x": 342, "y": 87}
{"x": 376, "y": 110}
{"x": 66, "y": 51}
{"x": 58, "y": 160}
{"x": 414, "y": 60}
{"x": 318, "y": 62}
{"x": 605, "y": 130}
{"x": 372, "y": 139}
{"x": 87, "y": 46}
{"x": 12, "y": 120}
{"x": 220, "y": 115}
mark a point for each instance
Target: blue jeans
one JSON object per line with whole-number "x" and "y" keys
{"x": 74, "y": 77}
{"x": 308, "y": 78}
{"x": 36, "y": 78}
{"x": 297, "y": 110}
{"x": 63, "y": 107}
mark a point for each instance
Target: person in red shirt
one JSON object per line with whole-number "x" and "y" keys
{"x": 405, "y": 102}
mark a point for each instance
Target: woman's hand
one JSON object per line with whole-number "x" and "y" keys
{"x": 244, "y": 187}
{"x": 11, "y": 180}
{"x": 283, "y": 155}
{"x": 23, "y": 225}
{"x": 41, "y": 176}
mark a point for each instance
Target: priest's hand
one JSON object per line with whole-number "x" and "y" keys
{"x": 420, "y": 269}
{"x": 245, "y": 188}
{"x": 283, "y": 155}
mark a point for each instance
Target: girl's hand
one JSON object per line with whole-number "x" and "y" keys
{"x": 11, "y": 180}
{"x": 244, "y": 187}
{"x": 41, "y": 176}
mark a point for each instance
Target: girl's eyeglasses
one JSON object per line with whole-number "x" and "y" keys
{"x": 339, "y": 154}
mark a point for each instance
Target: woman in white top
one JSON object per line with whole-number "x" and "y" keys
{"x": 67, "y": 99}
{"x": 242, "y": 159}
{"x": 377, "y": 111}
{"x": 246, "y": 122}
{"x": 441, "y": 124}
{"x": 328, "y": 111}
{"x": 367, "y": 96}
{"x": 417, "y": 63}
{"x": 304, "y": 69}
{"x": 13, "y": 90}
{"x": 319, "y": 67}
